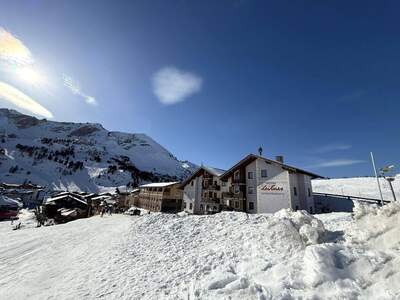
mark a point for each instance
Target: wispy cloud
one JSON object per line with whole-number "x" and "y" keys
{"x": 332, "y": 147}
{"x": 76, "y": 89}
{"x": 13, "y": 50}
{"x": 172, "y": 85}
{"x": 19, "y": 99}
{"x": 337, "y": 163}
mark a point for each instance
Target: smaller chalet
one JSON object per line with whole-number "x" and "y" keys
{"x": 65, "y": 207}
{"x": 30, "y": 195}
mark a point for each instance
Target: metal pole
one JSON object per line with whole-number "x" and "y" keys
{"x": 376, "y": 175}
{"x": 391, "y": 187}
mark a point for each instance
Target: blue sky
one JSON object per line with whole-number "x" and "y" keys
{"x": 315, "y": 81}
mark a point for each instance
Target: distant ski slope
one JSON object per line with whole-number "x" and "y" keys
{"x": 357, "y": 186}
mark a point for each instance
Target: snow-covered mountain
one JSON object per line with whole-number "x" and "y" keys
{"x": 80, "y": 156}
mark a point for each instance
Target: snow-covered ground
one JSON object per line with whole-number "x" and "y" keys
{"x": 288, "y": 255}
{"x": 358, "y": 186}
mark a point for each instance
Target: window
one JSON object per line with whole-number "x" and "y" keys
{"x": 309, "y": 192}
{"x": 215, "y": 208}
{"x": 207, "y": 207}
{"x": 236, "y": 189}
{"x": 236, "y": 175}
{"x": 215, "y": 195}
{"x": 295, "y": 191}
{"x": 311, "y": 210}
{"x": 237, "y": 204}
{"x": 190, "y": 206}
{"x": 184, "y": 205}
{"x": 201, "y": 207}
{"x": 250, "y": 190}
{"x": 210, "y": 194}
{"x": 215, "y": 183}
{"x": 264, "y": 173}
{"x": 250, "y": 175}
{"x": 223, "y": 183}
{"x": 251, "y": 205}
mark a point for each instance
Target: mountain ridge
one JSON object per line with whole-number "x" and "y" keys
{"x": 81, "y": 156}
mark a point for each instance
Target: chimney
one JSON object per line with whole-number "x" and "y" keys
{"x": 279, "y": 158}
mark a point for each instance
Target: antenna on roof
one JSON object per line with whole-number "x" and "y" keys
{"x": 260, "y": 150}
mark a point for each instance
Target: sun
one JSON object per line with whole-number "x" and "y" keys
{"x": 30, "y": 75}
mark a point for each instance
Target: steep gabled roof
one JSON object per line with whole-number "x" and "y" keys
{"x": 251, "y": 157}
{"x": 213, "y": 171}
{"x": 158, "y": 184}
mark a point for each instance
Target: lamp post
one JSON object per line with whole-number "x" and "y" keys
{"x": 384, "y": 171}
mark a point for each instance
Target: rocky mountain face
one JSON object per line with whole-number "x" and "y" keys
{"x": 81, "y": 156}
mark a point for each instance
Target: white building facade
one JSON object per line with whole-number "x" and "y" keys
{"x": 260, "y": 185}
{"x": 202, "y": 191}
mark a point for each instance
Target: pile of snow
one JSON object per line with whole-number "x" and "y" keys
{"x": 366, "y": 187}
{"x": 228, "y": 255}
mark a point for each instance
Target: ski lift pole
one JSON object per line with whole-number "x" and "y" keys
{"x": 377, "y": 178}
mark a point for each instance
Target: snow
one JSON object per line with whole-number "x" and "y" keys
{"x": 89, "y": 141}
{"x": 230, "y": 255}
{"x": 366, "y": 187}
{"x": 158, "y": 184}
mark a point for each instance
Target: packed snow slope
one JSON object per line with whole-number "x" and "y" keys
{"x": 80, "y": 156}
{"x": 288, "y": 255}
{"x": 358, "y": 186}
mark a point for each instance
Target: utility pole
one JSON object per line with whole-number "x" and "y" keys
{"x": 377, "y": 178}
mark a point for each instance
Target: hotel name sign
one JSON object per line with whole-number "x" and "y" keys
{"x": 273, "y": 188}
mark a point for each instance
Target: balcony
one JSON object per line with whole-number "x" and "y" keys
{"x": 211, "y": 200}
{"x": 211, "y": 187}
{"x": 231, "y": 195}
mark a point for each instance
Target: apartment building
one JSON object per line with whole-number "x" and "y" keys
{"x": 160, "y": 197}
{"x": 260, "y": 185}
{"x": 202, "y": 191}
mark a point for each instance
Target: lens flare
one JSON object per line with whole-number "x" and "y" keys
{"x": 31, "y": 76}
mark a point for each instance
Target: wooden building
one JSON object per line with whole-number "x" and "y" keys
{"x": 160, "y": 197}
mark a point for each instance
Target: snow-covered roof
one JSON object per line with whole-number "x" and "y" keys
{"x": 158, "y": 184}
{"x": 214, "y": 171}
{"x": 54, "y": 199}
{"x": 8, "y": 201}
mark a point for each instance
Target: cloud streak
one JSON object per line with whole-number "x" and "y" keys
{"x": 332, "y": 147}
{"x": 13, "y": 50}
{"x": 75, "y": 89}
{"x": 337, "y": 163}
{"x": 172, "y": 85}
{"x": 21, "y": 100}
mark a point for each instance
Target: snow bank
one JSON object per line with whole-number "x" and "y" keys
{"x": 228, "y": 255}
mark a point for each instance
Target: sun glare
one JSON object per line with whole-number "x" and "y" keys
{"x": 30, "y": 75}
